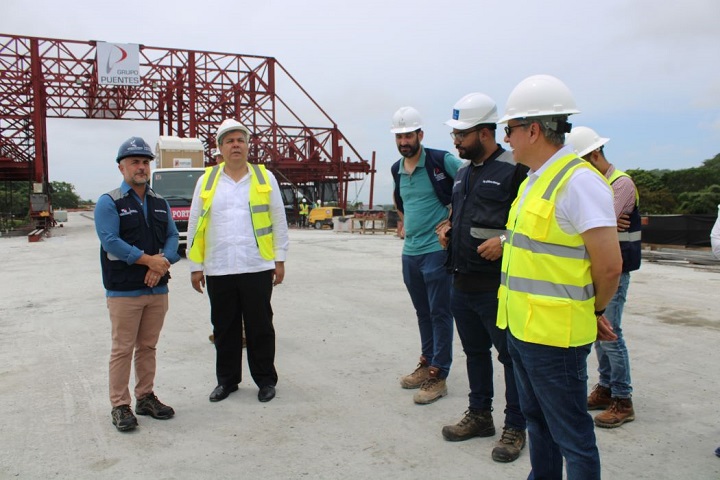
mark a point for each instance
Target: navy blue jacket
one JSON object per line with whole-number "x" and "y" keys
{"x": 148, "y": 236}
{"x": 480, "y": 212}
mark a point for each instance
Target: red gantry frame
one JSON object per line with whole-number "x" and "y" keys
{"x": 188, "y": 93}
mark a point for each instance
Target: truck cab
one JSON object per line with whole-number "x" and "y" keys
{"x": 176, "y": 185}
{"x": 180, "y": 162}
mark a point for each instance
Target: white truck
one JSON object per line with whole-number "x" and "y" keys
{"x": 176, "y": 185}
{"x": 180, "y": 164}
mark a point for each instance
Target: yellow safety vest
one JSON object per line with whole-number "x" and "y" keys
{"x": 260, "y": 189}
{"x": 304, "y": 210}
{"x": 546, "y": 293}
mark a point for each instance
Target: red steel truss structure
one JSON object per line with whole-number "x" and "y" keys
{"x": 187, "y": 92}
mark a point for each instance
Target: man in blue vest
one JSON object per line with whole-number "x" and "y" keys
{"x": 483, "y": 192}
{"x": 613, "y": 392}
{"x": 238, "y": 237}
{"x": 139, "y": 241}
{"x": 423, "y": 180}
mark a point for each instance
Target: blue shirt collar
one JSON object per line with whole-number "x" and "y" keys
{"x": 125, "y": 188}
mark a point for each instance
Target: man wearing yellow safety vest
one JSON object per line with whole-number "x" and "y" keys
{"x": 560, "y": 267}
{"x": 239, "y": 240}
{"x": 613, "y": 392}
{"x": 304, "y": 212}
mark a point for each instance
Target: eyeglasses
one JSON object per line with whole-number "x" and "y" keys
{"x": 508, "y": 129}
{"x": 460, "y": 136}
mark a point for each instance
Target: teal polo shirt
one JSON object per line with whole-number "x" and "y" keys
{"x": 423, "y": 210}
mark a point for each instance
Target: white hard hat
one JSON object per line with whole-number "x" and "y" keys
{"x": 229, "y": 125}
{"x": 584, "y": 140}
{"x": 539, "y": 96}
{"x": 405, "y": 120}
{"x": 473, "y": 109}
{"x": 216, "y": 153}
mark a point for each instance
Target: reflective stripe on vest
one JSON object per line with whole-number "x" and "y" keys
{"x": 630, "y": 236}
{"x": 260, "y": 212}
{"x": 196, "y": 252}
{"x": 546, "y": 294}
{"x": 486, "y": 233}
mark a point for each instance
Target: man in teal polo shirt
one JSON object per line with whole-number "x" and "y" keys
{"x": 423, "y": 186}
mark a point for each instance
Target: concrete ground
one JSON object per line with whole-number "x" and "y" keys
{"x": 345, "y": 334}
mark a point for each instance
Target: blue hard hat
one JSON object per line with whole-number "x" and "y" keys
{"x": 134, "y": 147}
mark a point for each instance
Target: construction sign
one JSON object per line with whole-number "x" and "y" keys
{"x": 118, "y": 63}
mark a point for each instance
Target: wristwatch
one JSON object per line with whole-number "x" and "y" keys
{"x": 503, "y": 238}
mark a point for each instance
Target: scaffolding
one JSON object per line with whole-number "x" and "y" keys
{"x": 188, "y": 93}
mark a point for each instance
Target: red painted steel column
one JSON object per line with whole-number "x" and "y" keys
{"x": 39, "y": 115}
{"x": 192, "y": 87}
{"x": 372, "y": 180}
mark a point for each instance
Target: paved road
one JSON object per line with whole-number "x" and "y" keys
{"x": 345, "y": 335}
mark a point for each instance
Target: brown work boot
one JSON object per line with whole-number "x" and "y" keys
{"x": 432, "y": 389}
{"x": 123, "y": 418}
{"x": 416, "y": 378}
{"x": 620, "y": 411}
{"x": 508, "y": 448}
{"x": 599, "y": 398}
{"x": 150, "y": 405}
{"x": 475, "y": 423}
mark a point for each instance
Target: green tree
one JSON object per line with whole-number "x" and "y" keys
{"x": 703, "y": 202}
{"x": 648, "y": 179}
{"x": 713, "y": 162}
{"x": 693, "y": 179}
{"x": 64, "y": 196}
{"x": 14, "y": 199}
{"x": 655, "y": 198}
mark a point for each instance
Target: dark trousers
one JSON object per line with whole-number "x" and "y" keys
{"x": 475, "y": 316}
{"x": 235, "y": 299}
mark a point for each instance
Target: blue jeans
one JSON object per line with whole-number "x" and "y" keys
{"x": 613, "y": 359}
{"x": 475, "y": 316}
{"x": 552, "y": 383}
{"x": 428, "y": 284}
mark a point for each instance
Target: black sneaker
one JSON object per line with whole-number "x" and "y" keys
{"x": 150, "y": 405}
{"x": 123, "y": 418}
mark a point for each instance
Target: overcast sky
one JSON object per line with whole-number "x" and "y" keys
{"x": 644, "y": 73}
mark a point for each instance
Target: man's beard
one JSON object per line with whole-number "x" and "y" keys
{"x": 473, "y": 153}
{"x": 409, "y": 151}
{"x": 136, "y": 180}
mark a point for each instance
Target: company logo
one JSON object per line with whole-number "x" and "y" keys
{"x": 439, "y": 175}
{"x": 127, "y": 211}
{"x": 456, "y": 113}
{"x": 117, "y": 55}
{"x": 180, "y": 213}
{"x": 118, "y": 64}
